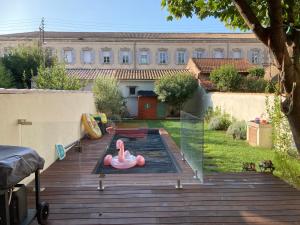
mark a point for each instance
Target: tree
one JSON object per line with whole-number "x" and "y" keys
{"x": 226, "y": 78}
{"x": 23, "y": 63}
{"x": 175, "y": 89}
{"x": 108, "y": 98}
{"x": 6, "y": 80}
{"x": 55, "y": 77}
{"x": 276, "y": 23}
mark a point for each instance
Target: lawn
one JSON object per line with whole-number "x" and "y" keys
{"x": 221, "y": 152}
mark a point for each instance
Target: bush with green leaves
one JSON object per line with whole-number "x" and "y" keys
{"x": 226, "y": 78}
{"x": 257, "y": 72}
{"x": 219, "y": 123}
{"x": 6, "y": 79}
{"x": 23, "y": 63}
{"x": 212, "y": 112}
{"x": 55, "y": 77}
{"x": 238, "y": 130}
{"x": 256, "y": 85}
{"x": 108, "y": 98}
{"x": 176, "y": 89}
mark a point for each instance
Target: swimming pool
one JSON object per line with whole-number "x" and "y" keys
{"x": 145, "y": 142}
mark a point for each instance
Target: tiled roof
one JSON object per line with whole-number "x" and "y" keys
{"x": 130, "y": 35}
{"x": 122, "y": 74}
{"x": 206, "y": 65}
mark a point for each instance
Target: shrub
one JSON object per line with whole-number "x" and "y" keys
{"x": 55, "y": 77}
{"x": 257, "y": 72}
{"x": 23, "y": 63}
{"x": 6, "y": 80}
{"x": 108, "y": 98}
{"x": 219, "y": 123}
{"x": 211, "y": 112}
{"x": 238, "y": 130}
{"x": 251, "y": 84}
{"x": 175, "y": 89}
{"x": 226, "y": 78}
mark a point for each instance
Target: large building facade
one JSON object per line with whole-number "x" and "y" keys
{"x": 137, "y": 59}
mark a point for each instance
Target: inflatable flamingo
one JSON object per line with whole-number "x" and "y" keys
{"x": 124, "y": 160}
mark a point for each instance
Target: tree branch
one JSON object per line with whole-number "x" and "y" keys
{"x": 251, "y": 20}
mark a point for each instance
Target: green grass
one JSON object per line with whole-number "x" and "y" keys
{"x": 224, "y": 154}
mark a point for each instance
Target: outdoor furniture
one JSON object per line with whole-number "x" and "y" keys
{"x": 17, "y": 163}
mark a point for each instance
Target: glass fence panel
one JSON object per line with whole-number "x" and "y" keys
{"x": 192, "y": 142}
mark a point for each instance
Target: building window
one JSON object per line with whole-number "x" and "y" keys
{"x": 144, "y": 57}
{"x": 87, "y": 56}
{"x": 218, "y": 53}
{"x": 181, "y": 57}
{"x": 68, "y": 56}
{"x": 199, "y": 53}
{"x": 106, "y": 57}
{"x": 125, "y": 57}
{"x": 236, "y": 54}
{"x": 163, "y": 57}
{"x": 132, "y": 90}
{"x": 254, "y": 56}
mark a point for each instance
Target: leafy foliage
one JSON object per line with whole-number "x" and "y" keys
{"x": 227, "y": 12}
{"x": 256, "y": 85}
{"x": 175, "y": 89}
{"x": 219, "y": 123}
{"x": 23, "y": 63}
{"x": 108, "y": 98}
{"x": 226, "y": 78}
{"x": 238, "y": 130}
{"x": 6, "y": 80}
{"x": 211, "y": 112}
{"x": 282, "y": 136}
{"x": 55, "y": 77}
{"x": 256, "y": 72}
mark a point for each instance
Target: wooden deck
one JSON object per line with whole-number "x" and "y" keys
{"x": 231, "y": 198}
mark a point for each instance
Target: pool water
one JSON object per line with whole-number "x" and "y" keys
{"x": 147, "y": 143}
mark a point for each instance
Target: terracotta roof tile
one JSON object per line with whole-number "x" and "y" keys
{"x": 206, "y": 65}
{"x": 122, "y": 74}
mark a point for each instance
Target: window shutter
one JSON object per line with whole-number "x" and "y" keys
{"x": 73, "y": 56}
{"x": 129, "y": 57}
{"x": 194, "y": 54}
{"x": 186, "y": 56}
{"x": 63, "y": 56}
{"x": 167, "y": 57}
{"x": 149, "y": 58}
{"x": 176, "y": 57}
{"x": 157, "y": 57}
{"x": 101, "y": 58}
{"x": 120, "y": 57}
{"x": 111, "y": 55}
{"x": 81, "y": 57}
{"x": 249, "y": 55}
{"x": 138, "y": 57}
{"x": 260, "y": 56}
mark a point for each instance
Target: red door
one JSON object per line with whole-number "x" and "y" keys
{"x": 147, "y": 107}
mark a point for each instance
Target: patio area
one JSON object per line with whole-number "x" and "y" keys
{"x": 224, "y": 198}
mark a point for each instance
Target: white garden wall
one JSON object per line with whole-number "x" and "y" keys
{"x": 242, "y": 106}
{"x": 55, "y": 117}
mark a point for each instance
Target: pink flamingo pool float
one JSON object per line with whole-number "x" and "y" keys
{"x": 124, "y": 160}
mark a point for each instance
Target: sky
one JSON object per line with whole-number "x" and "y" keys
{"x": 97, "y": 15}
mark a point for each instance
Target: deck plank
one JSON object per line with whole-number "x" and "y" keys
{"x": 224, "y": 198}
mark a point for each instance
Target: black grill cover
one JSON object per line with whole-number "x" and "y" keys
{"x": 16, "y": 163}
